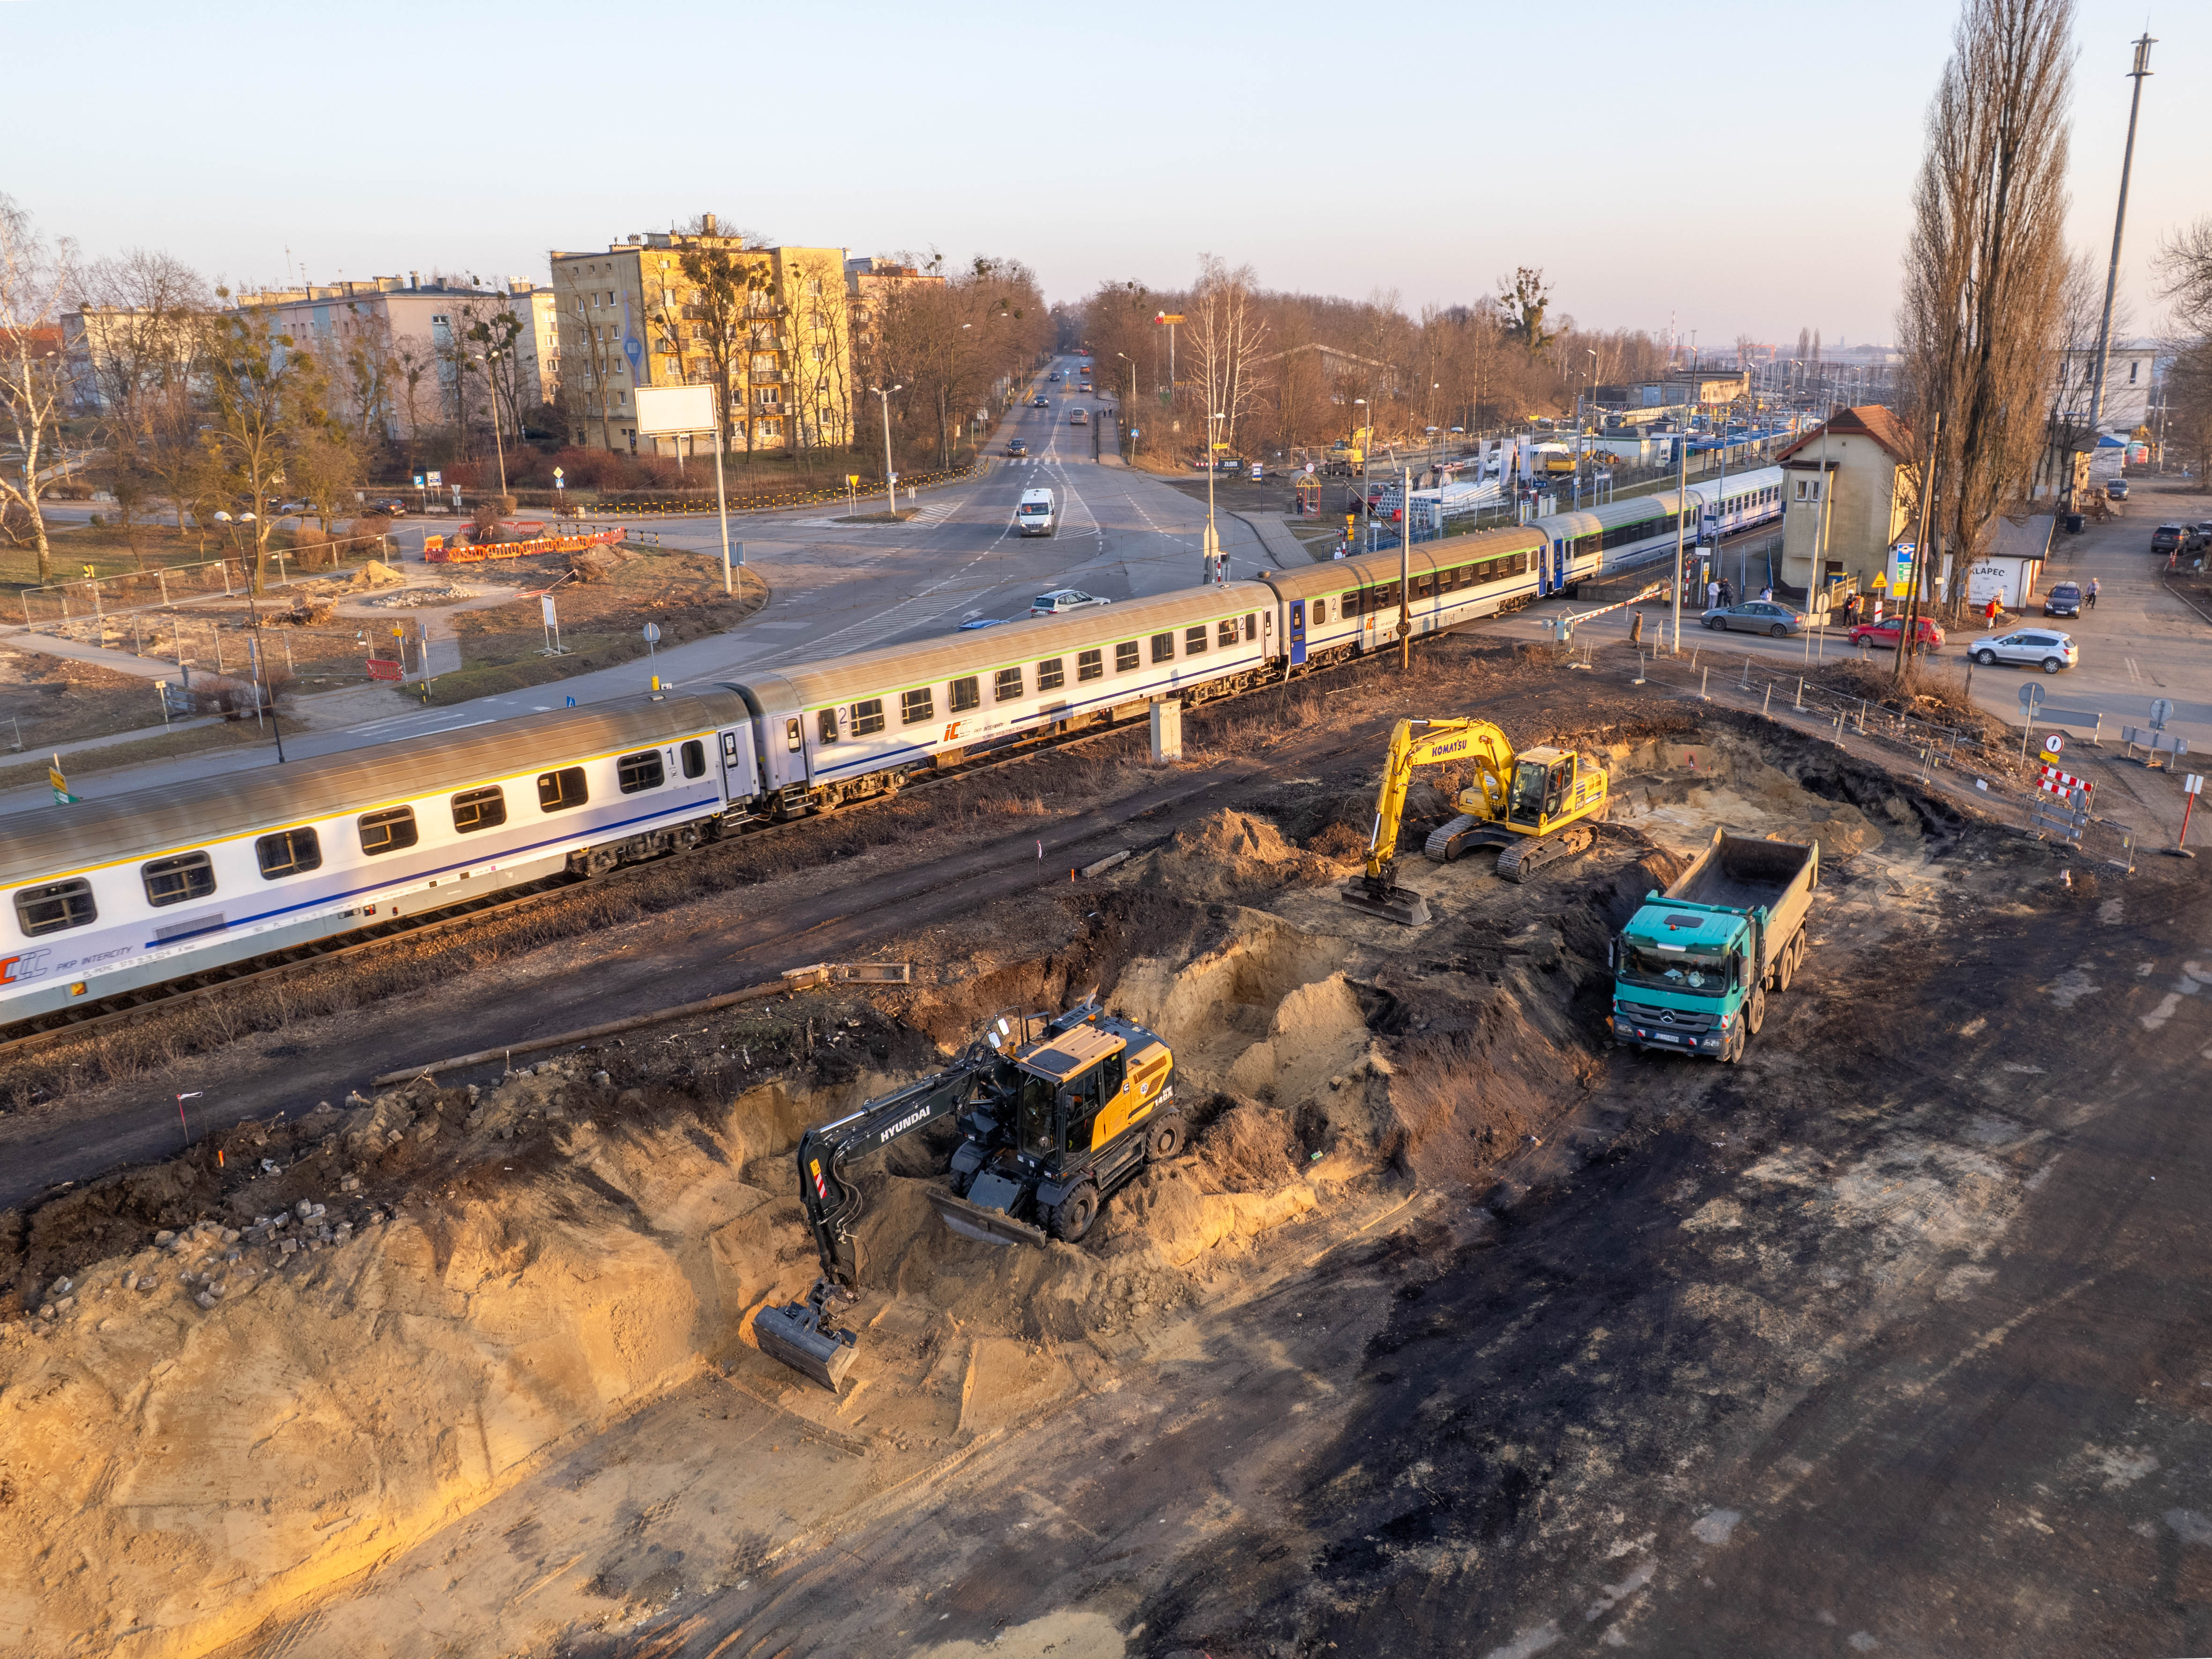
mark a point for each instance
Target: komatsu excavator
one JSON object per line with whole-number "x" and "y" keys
{"x": 1536, "y": 807}
{"x": 1055, "y": 1113}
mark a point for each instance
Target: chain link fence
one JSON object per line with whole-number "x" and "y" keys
{"x": 160, "y": 585}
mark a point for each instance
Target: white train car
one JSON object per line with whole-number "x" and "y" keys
{"x": 1741, "y": 502}
{"x": 110, "y": 897}
{"x": 1340, "y": 609}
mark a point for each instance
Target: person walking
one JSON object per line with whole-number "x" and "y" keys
{"x": 1766, "y": 592}
{"x": 1712, "y": 596}
{"x": 1728, "y": 593}
{"x": 1990, "y": 612}
{"x": 2093, "y": 592}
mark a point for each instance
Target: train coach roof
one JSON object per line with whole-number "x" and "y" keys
{"x": 1370, "y": 568}
{"x": 949, "y": 656}
{"x": 1589, "y": 519}
{"x": 50, "y": 840}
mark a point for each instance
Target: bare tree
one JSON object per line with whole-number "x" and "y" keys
{"x": 265, "y": 401}
{"x": 1985, "y": 265}
{"x": 2184, "y": 271}
{"x": 142, "y": 318}
{"x": 1525, "y": 300}
{"x": 33, "y": 278}
{"x": 1225, "y": 336}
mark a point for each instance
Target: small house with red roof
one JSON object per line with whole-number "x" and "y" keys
{"x": 1848, "y": 499}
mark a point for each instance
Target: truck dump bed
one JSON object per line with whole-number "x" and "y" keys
{"x": 1741, "y": 874}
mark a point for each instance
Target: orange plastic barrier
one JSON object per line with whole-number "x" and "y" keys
{"x": 435, "y": 551}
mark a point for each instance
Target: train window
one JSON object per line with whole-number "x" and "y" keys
{"x": 1006, "y": 685}
{"x": 1319, "y": 612}
{"x": 964, "y": 694}
{"x": 1163, "y": 647}
{"x": 1224, "y": 632}
{"x": 1193, "y": 641}
{"x": 55, "y": 905}
{"x": 1051, "y": 676}
{"x": 290, "y": 852}
{"x": 695, "y": 757}
{"x": 1251, "y": 625}
{"x": 173, "y": 880}
{"x": 1348, "y": 606}
{"x": 1424, "y": 587}
{"x": 825, "y": 725}
{"x": 559, "y": 791}
{"x": 643, "y": 770}
{"x": 388, "y": 830}
{"x": 1089, "y": 664}
{"x": 479, "y": 809}
{"x": 792, "y": 740}
{"x": 1125, "y": 657}
{"x": 917, "y": 706}
{"x": 868, "y": 717}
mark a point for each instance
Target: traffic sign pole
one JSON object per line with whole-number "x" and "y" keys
{"x": 2192, "y": 786}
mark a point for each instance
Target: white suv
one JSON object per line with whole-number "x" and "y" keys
{"x": 2037, "y": 647}
{"x": 1063, "y": 599}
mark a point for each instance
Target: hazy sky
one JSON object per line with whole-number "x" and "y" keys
{"x": 1741, "y": 168}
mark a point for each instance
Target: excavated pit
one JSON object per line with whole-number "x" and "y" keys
{"x": 204, "y": 1428}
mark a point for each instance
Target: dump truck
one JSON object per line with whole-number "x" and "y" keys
{"x": 1536, "y": 807}
{"x": 1692, "y": 969}
{"x": 1055, "y": 1111}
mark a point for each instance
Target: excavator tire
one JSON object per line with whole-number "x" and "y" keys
{"x": 1073, "y": 1215}
{"x": 1443, "y": 844}
{"x": 1164, "y": 1139}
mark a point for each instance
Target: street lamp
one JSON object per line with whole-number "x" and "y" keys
{"x": 1124, "y": 419}
{"x": 891, "y": 478}
{"x": 498, "y": 448}
{"x": 1213, "y": 540}
{"x": 1360, "y": 422}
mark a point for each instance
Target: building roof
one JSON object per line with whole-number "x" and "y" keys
{"x": 2022, "y": 538}
{"x": 1866, "y": 421}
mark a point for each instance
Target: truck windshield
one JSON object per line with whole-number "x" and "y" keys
{"x": 1673, "y": 970}
{"x": 1034, "y": 1113}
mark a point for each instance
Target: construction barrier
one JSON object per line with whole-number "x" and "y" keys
{"x": 437, "y": 550}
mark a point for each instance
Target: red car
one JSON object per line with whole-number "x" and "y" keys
{"x": 1928, "y": 637}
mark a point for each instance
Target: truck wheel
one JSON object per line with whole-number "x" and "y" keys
{"x": 1073, "y": 1215}
{"x": 1754, "y": 1015}
{"x": 1786, "y": 969}
{"x": 1734, "y": 1052}
{"x": 1164, "y": 1139}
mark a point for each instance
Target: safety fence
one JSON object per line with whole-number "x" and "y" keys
{"x": 1993, "y": 770}
{"x": 162, "y": 585}
{"x": 659, "y": 505}
{"x": 439, "y": 550}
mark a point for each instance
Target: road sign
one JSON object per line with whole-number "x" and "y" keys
{"x": 2053, "y": 743}
{"x": 60, "y": 784}
{"x": 2193, "y": 784}
{"x": 1168, "y": 317}
{"x": 552, "y": 617}
{"x": 652, "y": 633}
{"x": 418, "y": 481}
{"x": 2162, "y": 710}
{"x": 437, "y": 479}
{"x": 2030, "y": 695}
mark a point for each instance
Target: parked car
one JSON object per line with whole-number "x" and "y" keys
{"x": 394, "y": 508}
{"x": 2063, "y": 600}
{"x": 2117, "y": 490}
{"x": 2033, "y": 647}
{"x": 1928, "y": 635}
{"x": 2171, "y": 538}
{"x": 1756, "y": 617}
{"x": 1015, "y": 446}
{"x": 1062, "y": 600}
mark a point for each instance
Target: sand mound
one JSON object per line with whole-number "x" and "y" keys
{"x": 375, "y": 573}
{"x": 1234, "y": 856}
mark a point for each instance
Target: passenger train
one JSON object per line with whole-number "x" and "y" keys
{"x": 108, "y": 898}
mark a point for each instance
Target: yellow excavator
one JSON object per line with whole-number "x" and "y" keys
{"x": 1536, "y": 807}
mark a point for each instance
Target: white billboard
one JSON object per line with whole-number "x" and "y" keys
{"x": 664, "y": 410}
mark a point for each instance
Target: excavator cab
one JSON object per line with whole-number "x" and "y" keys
{"x": 1549, "y": 787}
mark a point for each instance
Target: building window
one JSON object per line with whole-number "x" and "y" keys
{"x": 559, "y": 791}
{"x": 916, "y": 707}
{"x": 1125, "y": 657}
{"x": 868, "y": 717}
{"x": 55, "y": 906}
{"x": 641, "y": 771}
{"x": 1164, "y": 648}
{"x": 1051, "y": 675}
{"x": 388, "y": 831}
{"x": 479, "y": 809}
{"x": 1006, "y": 686}
{"x": 963, "y": 695}
{"x": 1089, "y": 665}
{"x": 173, "y": 880}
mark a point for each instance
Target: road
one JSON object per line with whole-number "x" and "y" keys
{"x": 838, "y": 586}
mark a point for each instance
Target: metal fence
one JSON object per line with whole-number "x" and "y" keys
{"x": 93, "y": 596}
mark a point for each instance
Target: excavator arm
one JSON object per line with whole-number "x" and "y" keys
{"x": 799, "y": 1333}
{"x": 1416, "y": 743}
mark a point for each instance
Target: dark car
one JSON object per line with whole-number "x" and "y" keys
{"x": 1015, "y": 447}
{"x": 392, "y": 509}
{"x": 2117, "y": 490}
{"x": 2063, "y": 600}
{"x": 2170, "y": 538}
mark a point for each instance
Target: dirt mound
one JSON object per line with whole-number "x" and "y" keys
{"x": 1234, "y": 856}
{"x": 375, "y": 573}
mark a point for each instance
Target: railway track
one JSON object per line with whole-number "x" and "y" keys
{"x": 28, "y": 1036}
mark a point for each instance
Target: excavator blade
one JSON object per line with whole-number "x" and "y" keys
{"x": 984, "y": 1226}
{"x": 795, "y": 1335}
{"x": 1400, "y": 904}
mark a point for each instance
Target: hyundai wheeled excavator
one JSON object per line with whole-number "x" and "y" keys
{"x": 1055, "y": 1113}
{"x": 1536, "y": 807}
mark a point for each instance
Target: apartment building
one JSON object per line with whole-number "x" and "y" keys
{"x": 628, "y": 316}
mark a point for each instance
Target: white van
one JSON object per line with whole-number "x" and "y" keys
{"x": 1034, "y": 515}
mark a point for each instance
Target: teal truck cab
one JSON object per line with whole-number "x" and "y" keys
{"x": 1692, "y": 968}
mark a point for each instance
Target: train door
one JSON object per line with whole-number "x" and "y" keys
{"x": 741, "y": 778}
{"x": 1297, "y": 631}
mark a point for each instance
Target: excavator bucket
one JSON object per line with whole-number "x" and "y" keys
{"x": 1400, "y": 904}
{"x": 985, "y": 1226}
{"x": 793, "y": 1334}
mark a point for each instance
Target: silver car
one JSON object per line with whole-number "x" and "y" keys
{"x": 1757, "y": 616}
{"x": 2031, "y": 648}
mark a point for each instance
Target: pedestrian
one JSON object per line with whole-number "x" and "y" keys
{"x": 1990, "y": 612}
{"x": 1636, "y": 629}
{"x": 1766, "y": 593}
{"x": 1728, "y": 594}
{"x": 1851, "y": 609}
{"x": 2093, "y": 592}
{"x": 1712, "y": 596}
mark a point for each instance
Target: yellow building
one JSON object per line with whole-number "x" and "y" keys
{"x": 629, "y": 317}
{"x": 1848, "y": 500}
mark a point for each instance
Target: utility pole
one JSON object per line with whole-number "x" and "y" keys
{"x": 2119, "y": 224}
{"x": 1909, "y": 632}
{"x": 1212, "y": 550}
{"x": 1681, "y": 517}
{"x": 1405, "y": 571}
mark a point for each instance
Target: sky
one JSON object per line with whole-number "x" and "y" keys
{"x": 1738, "y": 169}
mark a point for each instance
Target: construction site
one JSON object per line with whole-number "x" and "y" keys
{"x": 689, "y": 1264}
